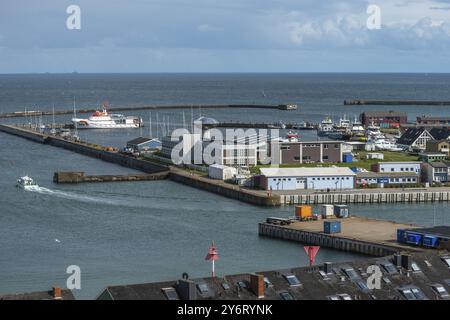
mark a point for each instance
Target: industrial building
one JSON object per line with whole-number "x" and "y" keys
{"x": 384, "y": 119}
{"x": 416, "y": 276}
{"x": 310, "y": 151}
{"x": 330, "y": 178}
{"x": 403, "y": 166}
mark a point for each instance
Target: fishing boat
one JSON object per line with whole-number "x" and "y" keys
{"x": 325, "y": 127}
{"x": 26, "y": 183}
{"x": 101, "y": 119}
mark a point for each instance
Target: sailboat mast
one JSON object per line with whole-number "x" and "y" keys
{"x": 150, "y": 124}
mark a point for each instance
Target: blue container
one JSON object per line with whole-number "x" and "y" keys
{"x": 331, "y": 227}
{"x": 413, "y": 238}
{"x": 347, "y": 157}
{"x": 401, "y": 236}
{"x": 341, "y": 211}
{"x": 430, "y": 241}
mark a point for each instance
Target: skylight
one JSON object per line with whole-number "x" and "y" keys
{"x": 447, "y": 261}
{"x": 415, "y": 267}
{"x": 202, "y": 287}
{"x": 440, "y": 290}
{"x": 345, "y": 296}
{"x": 226, "y": 286}
{"x": 292, "y": 279}
{"x": 389, "y": 267}
{"x": 170, "y": 293}
{"x": 286, "y": 295}
{"x": 407, "y": 293}
{"x": 418, "y": 293}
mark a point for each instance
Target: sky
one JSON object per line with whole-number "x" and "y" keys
{"x": 224, "y": 36}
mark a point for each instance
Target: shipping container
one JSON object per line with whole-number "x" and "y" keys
{"x": 303, "y": 211}
{"x": 331, "y": 227}
{"x": 413, "y": 238}
{"x": 401, "y": 236}
{"x": 341, "y": 211}
{"x": 327, "y": 210}
{"x": 430, "y": 241}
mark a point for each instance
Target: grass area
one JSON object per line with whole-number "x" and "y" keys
{"x": 359, "y": 161}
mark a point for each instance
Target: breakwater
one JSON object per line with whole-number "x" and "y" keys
{"x": 86, "y": 149}
{"x": 129, "y": 109}
{"x": 223, "y": 189}
{"x": 396, "y": 102}
{"x": 80, "y": 177}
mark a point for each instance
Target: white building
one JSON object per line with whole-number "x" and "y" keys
{"x": 332, "y": 178}
{"x": 403, "y": 166}
{"x": 221, "y": 172}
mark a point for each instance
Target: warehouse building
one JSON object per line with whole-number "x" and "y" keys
{"x": 384, "y": 119}
{"x": 307, "y": 178}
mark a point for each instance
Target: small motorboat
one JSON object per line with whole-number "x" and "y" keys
{"x": 26, "y": 183}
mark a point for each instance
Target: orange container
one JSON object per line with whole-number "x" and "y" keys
{"x": 303, "y": 211}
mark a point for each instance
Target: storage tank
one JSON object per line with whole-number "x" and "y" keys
{"x": 331, "y": 227}
{"x": 327, "y": 210}
{"x": 303, "y": 211}
{"x": 341, "y": 211}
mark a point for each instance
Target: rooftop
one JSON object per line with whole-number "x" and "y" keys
{"x": 41, "y": 295}
{"x": 344, "y": 281}
{"x": 307, "y": 172}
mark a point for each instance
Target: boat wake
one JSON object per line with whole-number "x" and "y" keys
{"x": 72, "y": 195}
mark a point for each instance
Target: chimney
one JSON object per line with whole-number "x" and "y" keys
{"x": 186, "y": 289}
{"x": 397, "y": 260}
{"x": 406, "y": 262}
{"x": 57, "y": 293}
{"x": 257, "y": 284}
{"x": 327, "y": 268}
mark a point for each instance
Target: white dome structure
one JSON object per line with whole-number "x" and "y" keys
{"x": 206, "y": 121}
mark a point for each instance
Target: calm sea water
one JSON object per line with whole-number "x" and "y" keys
{"x": 121, "y": 233}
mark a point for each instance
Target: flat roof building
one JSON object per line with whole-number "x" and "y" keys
{"x": 326, "y": 178}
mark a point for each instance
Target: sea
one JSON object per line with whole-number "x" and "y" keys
{"x": 137, "y": 232}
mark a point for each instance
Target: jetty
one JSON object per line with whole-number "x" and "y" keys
{"x": 80, "y": 177}
{"x": 360, "y": 102}
{"x": 354, "y": 236}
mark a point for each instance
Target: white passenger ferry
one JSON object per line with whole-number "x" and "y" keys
{"x": 103, "y": 120}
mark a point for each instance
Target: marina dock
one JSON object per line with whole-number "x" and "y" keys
{"x": 80, "y": 177}
{"x": 148, "y": 107}
{"x": 358, "y": 235}
{"x": 393, "y": 195}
